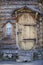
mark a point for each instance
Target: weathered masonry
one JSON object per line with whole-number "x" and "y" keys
{"x": 21, "y": 25}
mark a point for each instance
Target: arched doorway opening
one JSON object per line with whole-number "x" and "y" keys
{"x": 27, "y": 32}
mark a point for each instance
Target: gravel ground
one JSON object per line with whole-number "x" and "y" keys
{"x": 38, "y": 62}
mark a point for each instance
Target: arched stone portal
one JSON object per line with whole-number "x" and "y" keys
{"x": 27, "y": 32}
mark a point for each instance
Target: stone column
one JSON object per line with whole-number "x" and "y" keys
{"x": 38, "y": 33}
{"x": 17, "y": 35}
{"x": 41, "y": 32}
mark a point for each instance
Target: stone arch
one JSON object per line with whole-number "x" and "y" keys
{"x": 27, "y": 31}
{"x": 8, "y": 29}
{"x": 24, "y": 19}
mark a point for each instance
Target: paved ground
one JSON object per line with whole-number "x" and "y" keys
{"x": 39, "y": 62}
